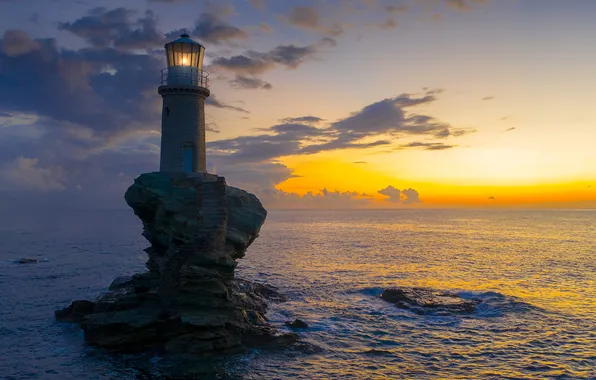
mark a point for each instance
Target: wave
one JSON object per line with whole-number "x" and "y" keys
{"x": 491, "y": 304}
{"x": 495, "y": 304}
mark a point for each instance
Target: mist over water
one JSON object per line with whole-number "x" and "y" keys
{"x": 534, "y": 271}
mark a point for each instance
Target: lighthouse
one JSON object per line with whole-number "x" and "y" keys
{"x": 184, "y": 88}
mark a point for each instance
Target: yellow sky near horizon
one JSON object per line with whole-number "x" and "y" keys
{"x": 340, "y": 174}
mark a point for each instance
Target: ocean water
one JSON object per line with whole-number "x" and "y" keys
{"x": 534, "y": 271}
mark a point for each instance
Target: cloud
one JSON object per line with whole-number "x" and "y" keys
{"x": 26, "y": 174}
{"x": 360, "y": 162}
{"x": 406, "y": 196}
{"x": 256, "y": 177}
{"x": 410, "y": 196}
{"x": 491, "y": 197}
{"x": 388, "y": 117}
{"x": 340, "y": 144}
{"x": 509, "y": 129}
{"x": 80, "y": 117}
{"x": 303, "y": 119}
{"x": 18, "y": 42}
{"x": 374, "y": 125}
{"x": 103, "y": 28}
{"x": 308, "y": 18}
{"x": 254, "y": 63}
{"x": 210, "y": 28}
{"x": 105, "y": 90}
{"x": 252, "y": 83}
{"x": 488, "y": 98}
{"x": 255, "y": 148}
{"x": 427, "y": 146}
{"x": 324, "y": 199}
{"x": 214, "y": 102}
{"x": 212, "y": 127}
{"x": 464, "y": 5}
{"x": 393, "y": 194}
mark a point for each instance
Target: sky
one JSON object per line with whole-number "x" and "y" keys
{"x": 314, "y": 104}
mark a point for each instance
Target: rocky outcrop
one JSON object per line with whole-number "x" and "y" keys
{"x": 424, "y": 300}
{"x": 297, "y": 324}
{"x": 188, "y": 301}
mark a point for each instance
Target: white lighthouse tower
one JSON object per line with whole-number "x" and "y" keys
{"x": 184, "y": 88}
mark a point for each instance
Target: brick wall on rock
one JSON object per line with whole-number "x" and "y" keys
{"x": 209, "y": 209}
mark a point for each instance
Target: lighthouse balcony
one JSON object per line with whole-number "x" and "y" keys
{"x": 185, "y": 76}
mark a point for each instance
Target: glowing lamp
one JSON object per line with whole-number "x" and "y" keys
{"x": 185, "y": 61}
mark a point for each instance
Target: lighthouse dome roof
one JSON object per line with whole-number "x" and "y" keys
{"x": 184, "y": 37}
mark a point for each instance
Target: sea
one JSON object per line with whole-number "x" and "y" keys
{"x": 534, "y": 272}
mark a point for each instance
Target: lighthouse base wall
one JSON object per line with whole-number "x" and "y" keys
{"x": 183, "y": 129}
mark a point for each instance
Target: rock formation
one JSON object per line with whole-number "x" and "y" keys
{"x": 423, "y": 300}
{"x": 189, "y": 301}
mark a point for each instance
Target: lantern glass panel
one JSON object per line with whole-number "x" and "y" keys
{"x": 170, "y": 54}
{"x": 177, "y": 46}
{"x": 195, "y": 51}
{"x": 186, "y": 54}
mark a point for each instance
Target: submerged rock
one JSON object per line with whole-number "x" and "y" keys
{"x": 188, "y": 302}
{"x": 424, "y": 300}
{"x": 26, "y": 261}
{"x": 76, "y": 312}
{"x": 297, "y": 324}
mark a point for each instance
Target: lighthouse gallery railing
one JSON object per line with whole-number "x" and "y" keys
{"x": 187, "y": 76}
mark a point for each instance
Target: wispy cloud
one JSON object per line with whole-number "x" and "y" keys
{"x": 309, "y": 18}
{"x": 250, "y": 82}
{"x": 214, "y": 102}
{"x": 254, "y": 63}
{"x": 302, "y": 119}
{"x": 426, "y": 146}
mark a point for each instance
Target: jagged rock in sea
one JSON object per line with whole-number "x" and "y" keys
{"x": 188, "y": 302}
{"x": 297, "y": 324}
{"x": 424, "y": 300}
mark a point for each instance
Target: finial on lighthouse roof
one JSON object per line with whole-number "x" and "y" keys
{"x": 185, "y": 38}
